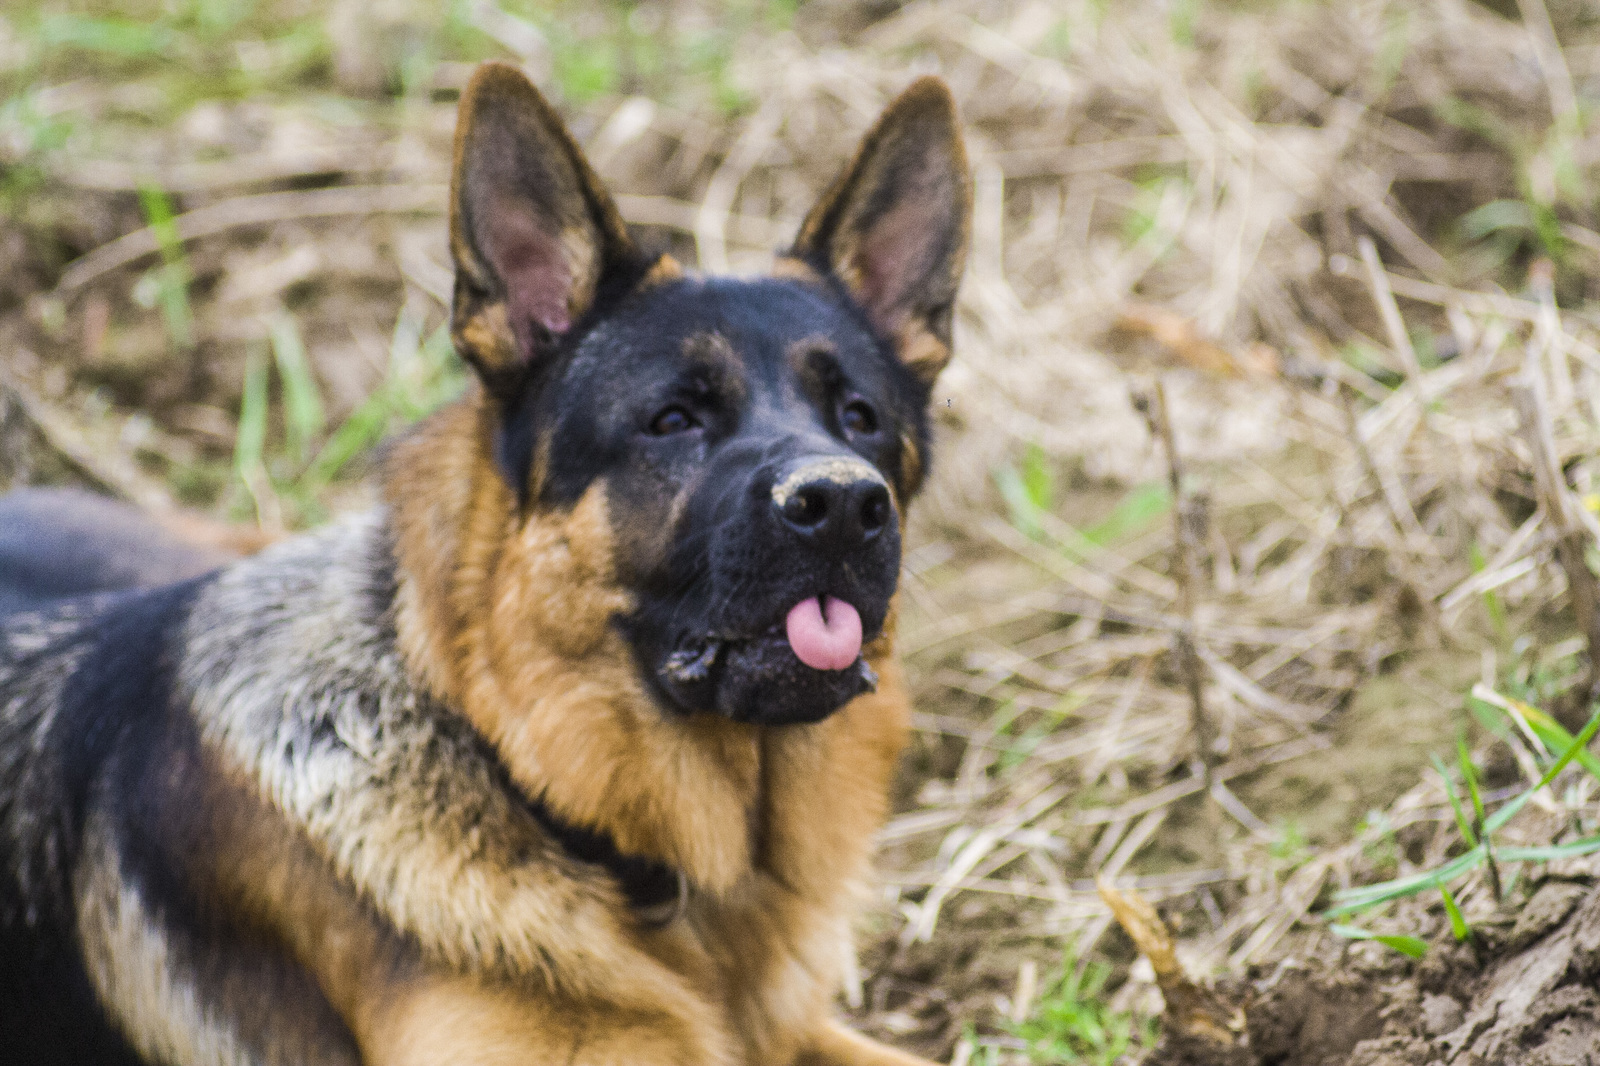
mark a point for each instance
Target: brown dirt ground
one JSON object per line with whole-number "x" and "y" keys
{"x": 1524, "y": 991}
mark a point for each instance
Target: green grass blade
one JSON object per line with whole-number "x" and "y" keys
{"x": 174, "y": 274}
{"x": 1554, "y": 735}
{"x": 121, "y": 37}
{"x": 1458, "y": 924}
{"x": 1501, "y": 710}
{"x": 1140, "y": 507}
{"x": 250, "y": 441}
{"x": 1413, "y": 946}
{"x": 1586, "y": 846}
{"x": 158, "y": 215}
{"x": 1071, "y": 1021}
{"x": 1455, "y": 803}
{"x": 365, "y": 427}
{"x": 303, "y": 417}
{"x": 1038, "y": 479}
{"x": 1510, "y": 810}
{"x": 1365, "y": 897}
{"x": 1494, "y": 216}
{"x": 1491, "y": 599}
{"x": 1021, "y": 510}
{"x": 1500, "y": 817}
{"x": 1578, "y": 746}
{"x": 1349, "y": 932}
{"x": 1469, "y": 774}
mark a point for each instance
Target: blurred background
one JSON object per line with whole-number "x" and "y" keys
{"x": 1267, "y": 470}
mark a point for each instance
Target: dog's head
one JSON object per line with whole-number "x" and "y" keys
{"x": 756, "y": 440}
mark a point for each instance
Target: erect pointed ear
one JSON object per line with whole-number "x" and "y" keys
{"x": 893, "y": 228}
{"x": 534, "y": 234}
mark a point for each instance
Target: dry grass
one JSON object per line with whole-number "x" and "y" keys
{"x": 1251, "y": 213}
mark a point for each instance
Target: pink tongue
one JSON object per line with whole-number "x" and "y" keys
{"x": 824, "y": 643}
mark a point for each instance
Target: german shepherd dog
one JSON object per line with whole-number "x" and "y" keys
{"x": 574, "y": 749}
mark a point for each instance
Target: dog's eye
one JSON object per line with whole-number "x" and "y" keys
{"x": 858, "y": 418}
{"x": 670, "y": 420}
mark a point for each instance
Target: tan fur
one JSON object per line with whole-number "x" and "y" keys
{"x": 130, "y": 961}
{"x": 837, "y": 1046}
{"x": 488, "y": 332}
{"x": 772, "y": 827}
{"x": 791, "y": 268}
{"x": 911, "y": 468}
{"x": 403, "y": 1008}
{"x": 665, "y": 269}
{"x": 923, "y": 353}
{"x": 347, "y": 874}
{"x": 437, "y": 918}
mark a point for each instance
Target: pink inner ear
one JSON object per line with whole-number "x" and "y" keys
{"x": 534, "y": 270}
{"x": 895, "y": 257}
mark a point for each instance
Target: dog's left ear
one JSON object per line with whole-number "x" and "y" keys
{"x": 534, "y": 234}
{"x": 893, "y": 228}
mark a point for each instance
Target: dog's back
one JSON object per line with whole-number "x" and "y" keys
{"x": 56, "y": 544}
{"x": 68, "y": 561}
{"x": 59, "y": 545}
{"x": 572, "y": 750}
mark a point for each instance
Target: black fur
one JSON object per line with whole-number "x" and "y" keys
{"x": 752, "y": 442}
{"x": 762, "y": 370}
{"x": 754, "y": 439}
{"x": 105, "y": 731}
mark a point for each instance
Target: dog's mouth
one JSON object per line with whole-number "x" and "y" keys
{"x": 797, "y": 670}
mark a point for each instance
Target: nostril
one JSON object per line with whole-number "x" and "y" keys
{"x": 874, "y": 512}
{"x": 806, "y": 508}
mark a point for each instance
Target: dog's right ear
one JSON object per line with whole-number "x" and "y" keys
{"x": 534, "y": 234}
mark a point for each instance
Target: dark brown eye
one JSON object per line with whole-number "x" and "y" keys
{"x": 670, "y": 420}
{"x": 858, "y": 418}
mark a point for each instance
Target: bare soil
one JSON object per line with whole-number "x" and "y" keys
{"x": 1524, "y": 990}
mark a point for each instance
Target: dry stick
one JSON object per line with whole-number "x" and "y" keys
{"x": 1393, "y": 324}
{"x": 187, "y": 177}
{"x": 1537, "y": 427}
{"x": 1552, "y": 64}
{"x": 716, "y": 207}
{"x": 111, "y": 467}
{"x": 253, "y": 211}
{"x": 1027, "y": 985}
{"x": 1547, "y": 332}
{"x": 1400, "y": 512}
{"x": 1374, "y": 203}
{"x": 1186, "y": 572}
{"x": 1478, "y": 303}
{"x": 273, "y": 207}
{"x": 1194, "y": 1015}
{"x": 1411, "y": 530}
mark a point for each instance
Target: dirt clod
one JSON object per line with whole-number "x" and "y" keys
{"x": 1314, "y": 1018}
{"x": 1534, "y": 1000}
{"x": 1440, "y": 1015}
{"x": 1547, "y": 909}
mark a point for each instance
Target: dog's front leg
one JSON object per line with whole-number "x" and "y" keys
{"x": 835, "y": 1045}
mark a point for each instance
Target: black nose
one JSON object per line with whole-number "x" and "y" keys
{"x": 838, "y": 504}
